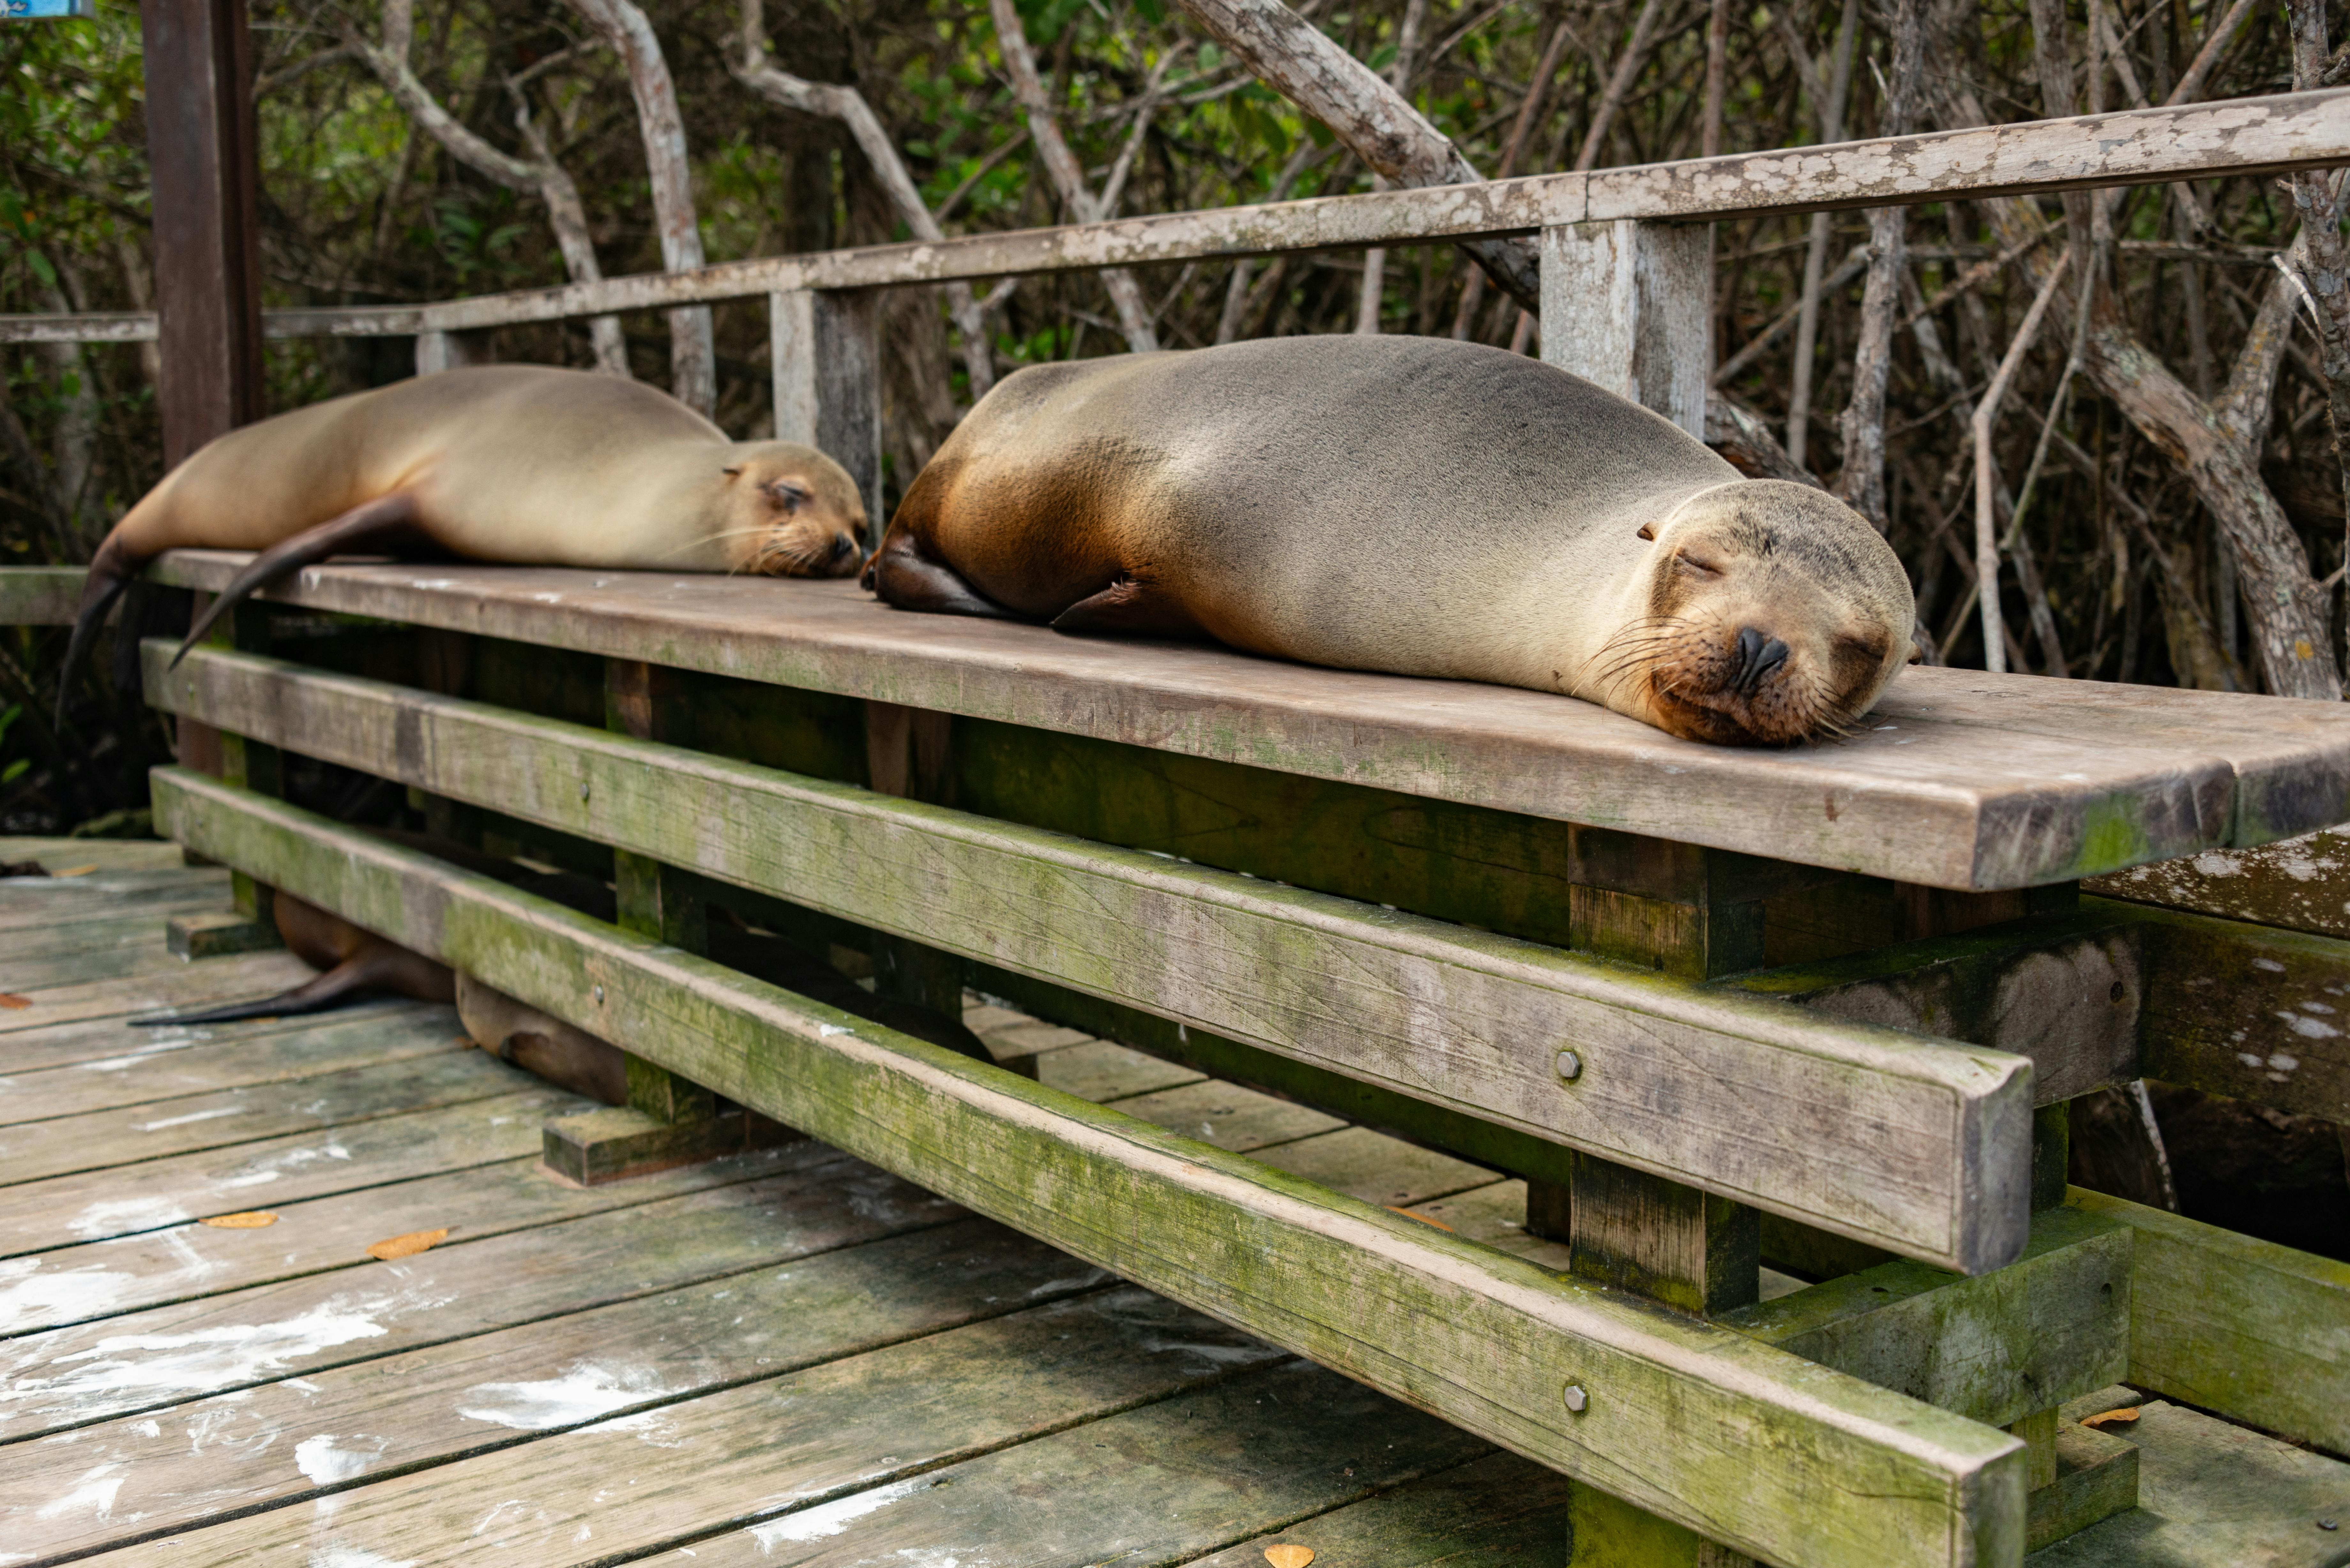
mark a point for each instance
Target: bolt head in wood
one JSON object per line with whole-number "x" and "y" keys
{"x": 1576, "y": 1399}
{"x": 1570, "y": 1065}
{"x": 583, "y": 789}
{"x": 599, "y": 996}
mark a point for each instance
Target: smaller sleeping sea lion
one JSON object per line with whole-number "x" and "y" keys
{"x": 525, "y": 464}
{"x": 518, "y": 1034}
{"x": 1414, "y": 506}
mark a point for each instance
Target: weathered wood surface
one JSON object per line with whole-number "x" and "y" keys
{"x": 281, "y": 1441}
{"x": 107, "y": 854}
{"x": 1738, "y": 1441}
{"x": 384, "y": 1035}
{"x": 112, "y": 1044}
{"x": 1881, "y": 1136}
{"x": 43, "y": 903}
{"x": 63, "y": 1210}
{"x": 430, "y": 1079}
{"x": 320, "y": 1235}
{"x": 2232, "y": 1324}
{"x": 1495, "y": 1509}
{"x": 642, "y": 1239}
{"x": 182, "y": 986}
{"x": 2299, "y": 884}
{"x": 40, "y": 595}
{"x": 1226, "y": 1114}
{"x": 1917, "y": 797}
{"x": 2245, "y": 136}
{"x": 1374, "y": 1168}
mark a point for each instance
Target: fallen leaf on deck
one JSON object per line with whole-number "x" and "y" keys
{"x": 77, "y": 872}
{"x": 250, "y": 1220}
{"x": 2128, "y": 1415}
{"x": 1425, "y": 1221}
{"x": 407, "y": 1246}
{"x": 1289, "y": 1556}
{"x": 11, "y": 1001}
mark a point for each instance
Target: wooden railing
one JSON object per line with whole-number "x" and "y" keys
{"x": 1823, "y": 1007}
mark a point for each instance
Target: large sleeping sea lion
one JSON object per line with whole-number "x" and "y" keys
{"x": 520, "y": 464}
{"x": 1409, "y": 505}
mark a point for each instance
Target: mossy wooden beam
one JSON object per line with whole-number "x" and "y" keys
{"x": 39, "y": 595}
{"x": 1915, "y": 1145}
{"x": 2257, "y": 1332}
{"x": 1744, "y": 1443}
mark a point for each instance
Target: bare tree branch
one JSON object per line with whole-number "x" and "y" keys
{"x": 1986, "y": 477}
{"x": 846, "y": 105}
{"x": 2324, "y": 259}
{"x": 693, "y": 352}
{"x": 1619, "y": 82}
{"x": 544, "y": 178}
{"x": 1807, "y": 323}
{"x": 1061, "y": 168}
{"x": 1297, "y": 59}
{"x": 1862, "y": 483}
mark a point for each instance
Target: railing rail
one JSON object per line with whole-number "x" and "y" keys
{"x": 2237, "y": 136}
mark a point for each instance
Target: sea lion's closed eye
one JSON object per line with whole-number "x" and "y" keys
{"x": 788, "y": 495}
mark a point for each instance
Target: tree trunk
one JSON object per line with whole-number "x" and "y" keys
{"x": 1862, "y": 483}
{"x": 693, "y": 354}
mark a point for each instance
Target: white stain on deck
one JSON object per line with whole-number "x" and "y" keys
{"x": 579, "y": 1394}
{"x": 832, "y": 1518}
{"x": 328, "y": 1458}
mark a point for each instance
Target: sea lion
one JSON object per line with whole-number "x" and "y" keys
{"x": 353, "y": 961}
{"x": 1409, "y": 505}
{"x": 521, "y": 463}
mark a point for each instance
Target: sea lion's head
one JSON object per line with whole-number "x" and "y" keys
{"x": 1775, "y": 614}
{"x": 791, "y": 511}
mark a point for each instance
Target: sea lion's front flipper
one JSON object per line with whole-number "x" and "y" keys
{"x": 388, "y": 521}
{"x": 1135, "y": 609}
{"x": 902, "y": 577}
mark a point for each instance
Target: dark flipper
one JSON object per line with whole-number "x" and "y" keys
{"x": 1137, "y": 609}
{"x": 109, "y": 574}
{"x": 387, "y": 521}
{"x": 362, "y": 972}
{"x": 903, "y": 576}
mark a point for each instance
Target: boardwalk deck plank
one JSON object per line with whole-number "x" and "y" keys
{"x": 111, "y": 1044}
{"x": 187, "y": 986}
{"x": 1500, "y": 1509}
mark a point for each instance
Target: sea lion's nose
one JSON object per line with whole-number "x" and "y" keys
{"x": 1759, "y": 657}
{"x": 843, "y": 547}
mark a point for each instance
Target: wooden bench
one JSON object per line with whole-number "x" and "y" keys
{"x": 1819, "y": 1008}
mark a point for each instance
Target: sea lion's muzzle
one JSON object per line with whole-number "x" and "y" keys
{"x": 1760, "y": 657}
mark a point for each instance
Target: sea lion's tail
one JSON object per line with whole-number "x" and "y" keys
{"x": 387, "y": 521}
{"x": 110, "y": 572}
{"x": 361, "y": 971}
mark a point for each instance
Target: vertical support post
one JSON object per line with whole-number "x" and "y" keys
{"x": 251, "y": 923}
{"x": 439, "y": 351}
{"x": 201, "y": 144}
{"x": 1627, "y": 305}
{"x": 905, "y": 755}
{"x": 445, "y": 663}
{"x": 827, "y": 383}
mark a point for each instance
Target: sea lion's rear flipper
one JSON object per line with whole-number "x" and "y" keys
{"x": 110, "y": 572}
{"x": 314, "y": 995}
{"x": 904, "y": 578}
{"x": 1132, "y": 608}
{"x": 387, "y": 521}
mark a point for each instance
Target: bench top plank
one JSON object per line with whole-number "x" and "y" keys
{"x": 1959, "y": 779}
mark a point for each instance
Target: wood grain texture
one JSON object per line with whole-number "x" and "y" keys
{"x": 1750, "y": 1446}
{"x": 41, "y": 903}
{"x": 423, "y": 1080}
{"x": 1497, "y": 1510}
{"x": 777, "y": 1446}
{"x": 2300, "y": 884}
{"x": 1914, "y": 796}
{"x": 1879, "y": 1135}
{"x": 180, "y": 986}
{"x": 322, "y": 1235}
{"x": 1629, "y": 307}
{"x": 867, "y": 1285}
{"x": 2247, "y": 136}
{"x": 2245, "y": 1327}
{"x": 640, "y": 1238}
{"x": 110, "y": 1044}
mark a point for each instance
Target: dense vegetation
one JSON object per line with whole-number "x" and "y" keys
{"x": 361, "y": 207}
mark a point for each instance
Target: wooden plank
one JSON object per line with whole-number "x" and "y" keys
{"x": 35, "y": 903}
{"x": 118, "y": 1139}
{"x": 1856, "y": 1130}
{"x": 2300, "y": 884}
{"x": 38, "y": 595}
{"x": 1154, "y": 1485}
{"x": 639, "y": 1238}
{"x": 1924, "y": 801}
{"x": 185, "y": 986}
{"x": 281, "y": 1441}
{"x": 1499, "y": 1509}
{"x": 268, "y": 1173}
{"x": 1750, "y": 1446}
{"x": 1629, "y": 307}
{"x": 1228, "y": 1116}
{"x": 1102, "y": 1071}
{"x": 103, "y": 1279}
{"x": 113, "y": 952}
{"x": 112, "y": 1045}
{"x": 1376, "y": 1168}
{"x": 127, "y": 930}
{"x": 2245, "y": 1327}
{"x": 314, "y": 1046}
{"x": 2240, "y": 137}
{"x": 108, "y": 854}
{"x": 774, "y": 1447}
{"x": 2051, "y": 1326}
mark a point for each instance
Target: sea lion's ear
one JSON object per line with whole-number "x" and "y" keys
{"x": 1649, "y": 532}
{"x": 732, "y": 471}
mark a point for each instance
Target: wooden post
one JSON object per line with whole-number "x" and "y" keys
{"x": 251, "y": 923}
{"x": 826, "y": 370}
{"x": 906, "y": 754}
{"x": 1626, "y": 305}
{"x": 200, "y": 148}
{"x": 439, "y": 351}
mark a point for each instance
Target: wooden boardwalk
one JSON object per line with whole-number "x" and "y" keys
{"x": 786, "y": 1357}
